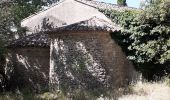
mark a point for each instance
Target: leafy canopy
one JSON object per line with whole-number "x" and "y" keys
{"x": 151, "y": 39}
{"x": 13, "y": 11}
{"x": 146, "y": 34}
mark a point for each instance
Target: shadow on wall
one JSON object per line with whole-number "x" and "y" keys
{"x": 49, "y": 23}
{"x": 30, "y": 69}
{"x": 78, "y": 63}
{"x": 75, "y": 68}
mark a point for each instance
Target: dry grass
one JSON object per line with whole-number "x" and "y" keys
{"x": 149, "y": 91}
{"x": 140, "y": 91}
{"x": 50, "y": 96}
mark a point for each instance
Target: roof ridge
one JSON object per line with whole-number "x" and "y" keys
{"x": 85, "y": 3}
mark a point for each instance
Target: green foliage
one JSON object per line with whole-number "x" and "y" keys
{"x": 146, "y": 32}
{"x": 24, "y": 8}
{"x": 126, "y": 19}
{"x": 121, "y": 2}
{"x": 152, "y": 37}
{"x": 12, "y": 12}
{"x": 6, "y": 20}
{"x": 155, "y": 12}
{"x": 145, "y": 36}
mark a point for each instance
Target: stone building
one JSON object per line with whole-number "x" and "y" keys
{"x": 70, "y": 48}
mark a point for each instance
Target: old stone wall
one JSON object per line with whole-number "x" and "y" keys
{"x": 76, "y": 60}
{"x": 29, "y": 68}
{"x": 88, "y": 60}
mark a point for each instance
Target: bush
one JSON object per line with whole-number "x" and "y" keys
{"x": 146, "y": 35}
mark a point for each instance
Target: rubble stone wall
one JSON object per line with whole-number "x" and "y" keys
{"x": 29, "y": 67}
{"x": 88, "y": 60}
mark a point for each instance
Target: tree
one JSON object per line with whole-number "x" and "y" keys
{"x": 121, "y": 2}
{"x": 6, "y": 20}
{"x": 146, "y": 36}
{"x": 151, "y": 39}
{"x": 13, "y": 11}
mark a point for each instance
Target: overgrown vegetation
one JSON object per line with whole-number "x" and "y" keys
{"x": 143, "y": 90}
{"x": 145, "y": 39}
{"x": 13, "y": 11}
{"x": 146, "y": 35}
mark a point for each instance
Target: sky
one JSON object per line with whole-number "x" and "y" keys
{"x": 130, "y": 3}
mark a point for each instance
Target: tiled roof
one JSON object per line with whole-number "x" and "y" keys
{"x": 34, "y": 40}
{"x": 42, "y": 40}
{"x": 94, "y": 23}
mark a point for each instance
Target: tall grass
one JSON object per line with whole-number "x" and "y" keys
{"x": 159, "y": 90}
{"x": 140, "y": 90}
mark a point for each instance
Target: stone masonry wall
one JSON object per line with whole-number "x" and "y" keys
{"x": 76, "y": 60}
{"x": 87, "y": 60}
{"x": 30, "y": 68}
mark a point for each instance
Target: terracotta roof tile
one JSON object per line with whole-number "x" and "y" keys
{"x": 42, "y": 40}
{"x": 34, "y": 40}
